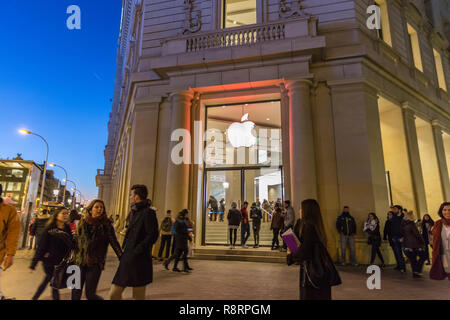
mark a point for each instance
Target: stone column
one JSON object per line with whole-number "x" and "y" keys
{"x": 301, "y": 141}
{"x": 414, "y": 158}
{"x": 144, "y": 141}
{"x": 285, "y": 141}
{"x": 442, "y": 161}
{"x": 359, "y": 155}
{"x": 177, "y": 189}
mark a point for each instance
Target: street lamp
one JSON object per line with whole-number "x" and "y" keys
{"x": 73, "y": 196}
{"x": 76, "y": 190}
{"x": 24, "y": 131}
{"x": 65, "y": 185}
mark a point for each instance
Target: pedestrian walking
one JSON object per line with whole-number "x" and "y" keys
{"x": 346, "y": 226}
{"x": 256, "y": 215}
{"x": 40, "y": 225}
{"x": 413, "y": 244}
{"x": 234, "y": 218}
{"x": 31, "y": 231}
{"x": 396, "y": 235}
{"x": 55, "y": 244}
{"x": 427, "y": 235}
{"x": 372, "y": 227}
{"x": 245, "y": 225}
{"x": 166, "y": 235}
{"x": 289, "y": 217}
{"x": 9, "y": 237}
{"x": 313, "y": 255}
{"x": 440, "y": 267}
{"x": 94, "y": 233}
{"x": 276, "y": 226}
{"x": 136, "y": 268}
{"x": 181, "y": 245}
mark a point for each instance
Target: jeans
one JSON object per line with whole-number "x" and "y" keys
{"x": 89, "y": 276}
{"x": 256, "y": 228}
{"x": 181, "y": 254}
{"x": 376, "y": 251}
{"x": 417, "y": 259}
{"x": 233, "y": 240}
{"x": 165, "y": 242}
{"x": 350, "y": 240}
{"x": 397, "y": 248}
{"x": 275, "y": 241}
{"x": 245, "y": 232}
{"x": 48, "y": 269}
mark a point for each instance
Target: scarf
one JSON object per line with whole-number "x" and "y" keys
{"x": 89, "y": 219}
{"x": 446, "y": 222}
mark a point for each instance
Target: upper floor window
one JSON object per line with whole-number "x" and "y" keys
{"x": 385, "y": 32}
{"x": 439, "y": 70}
{"x": 239, "y": 13}
{"x": 415, "y": 47}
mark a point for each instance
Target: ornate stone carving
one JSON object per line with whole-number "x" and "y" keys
{"x": 288, "y": 9}
{"x": 193, "y": 20}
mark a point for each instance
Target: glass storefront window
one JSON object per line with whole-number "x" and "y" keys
{"x": 239, "y": 13}
{"x": 243, "y": 135}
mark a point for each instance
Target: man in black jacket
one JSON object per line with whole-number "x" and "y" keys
{"x": 396, "y": 236}
{"x": 135, "y": 267}
{"x": 346, "y": 226}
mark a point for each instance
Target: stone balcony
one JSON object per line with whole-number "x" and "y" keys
{"x": 282, "y": 39}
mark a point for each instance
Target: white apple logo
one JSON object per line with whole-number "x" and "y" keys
{"x": 240, "y": 133}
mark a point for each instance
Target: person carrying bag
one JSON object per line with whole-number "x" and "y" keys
{"x": 317, "y": 271}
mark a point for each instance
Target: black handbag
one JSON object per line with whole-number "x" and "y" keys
{"x": 320, "y": 271}
{"x": 60, "y": 275}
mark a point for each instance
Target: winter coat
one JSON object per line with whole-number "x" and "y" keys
{"x": 396, "y": 226}
{"x": 437, "y": 271}
{"x": 289, "y": 218}
{"x": 277, "y": 221}
{"x": 411, "y": 236}
{"x": 9, "y": 230}
{"x": 181, "y": 234}
{"x": 92, "y": 243}
{"x": 135, "y": 267}
{"x": 55, "y": 245}
{"x": 387, "y": 234}
{"x": 345, "y": 224}
{"x": 373, "y": 230}
{"x": 256, "y": 216}
{"x": 234, "y": 217}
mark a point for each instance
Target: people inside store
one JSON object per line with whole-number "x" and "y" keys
{"x": 234, "y": 218}
{"x": 222, "y": 209}
{"x": 214, "y": 208}
{"x": 276, "y": 226}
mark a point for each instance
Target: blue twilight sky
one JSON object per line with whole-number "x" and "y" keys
{"x": 58, "y": 83}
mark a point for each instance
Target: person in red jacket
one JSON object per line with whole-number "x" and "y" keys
{"x": 441, "y": 245}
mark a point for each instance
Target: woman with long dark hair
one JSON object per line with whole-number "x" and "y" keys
{"x": 372, "y": 227}
{"x": 313, "y": 251}
{"x": 55, "y": 244}
{"x": 94, "y": 233}
{"x": 440, "y": 267}
{"x": 427, "y": 235}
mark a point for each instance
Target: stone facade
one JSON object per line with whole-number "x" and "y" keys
{"x": 336, "y": 80}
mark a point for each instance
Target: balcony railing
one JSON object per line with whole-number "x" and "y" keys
{"x": 236, "y": 37}
{"x": 241, "y": 36}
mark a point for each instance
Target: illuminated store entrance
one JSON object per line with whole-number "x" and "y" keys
{"x": 242, "y": 163}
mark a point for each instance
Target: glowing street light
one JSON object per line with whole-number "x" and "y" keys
{"x": 24, "y": 132}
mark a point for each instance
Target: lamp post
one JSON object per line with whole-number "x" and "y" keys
{"x": 73, "y": 196}
{"x": 76, "y": 190}
{"x": 65, "y": 185}
{"x": 23, "y": 131}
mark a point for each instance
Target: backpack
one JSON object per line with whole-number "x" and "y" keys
{"x": 166, "y": 225}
